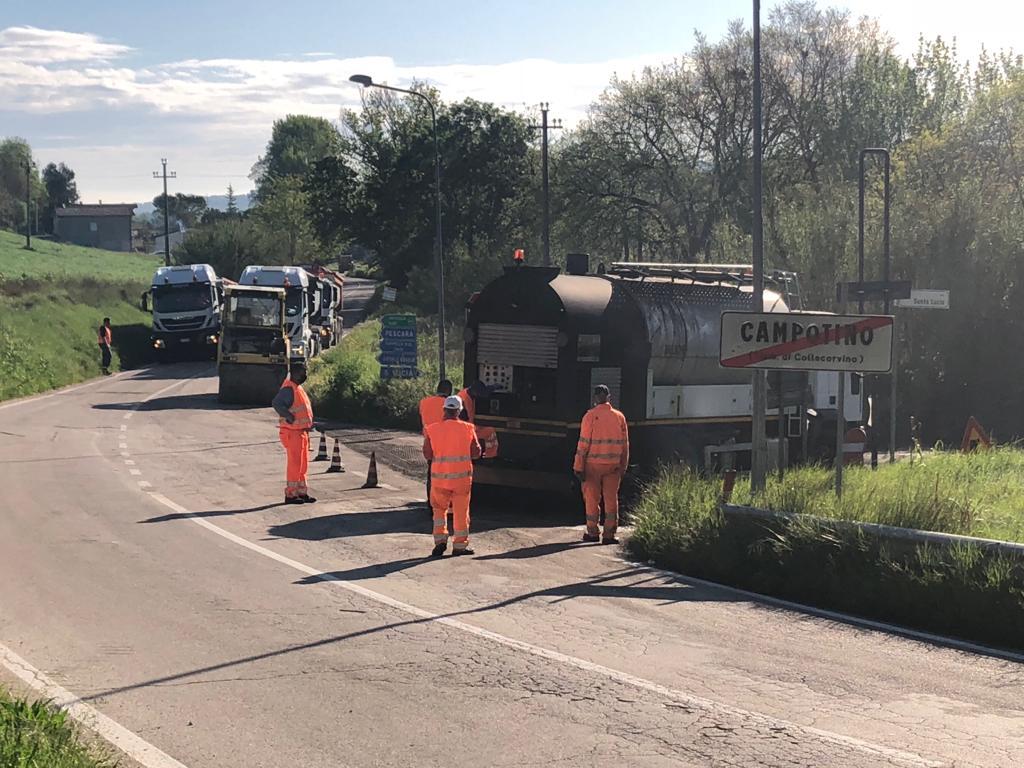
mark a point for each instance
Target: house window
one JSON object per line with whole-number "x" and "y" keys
{"x": 92, "y": 226}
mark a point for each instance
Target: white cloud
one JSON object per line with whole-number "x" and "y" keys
{"x": 211, "y": 113}
{"x": 43, "y": 46}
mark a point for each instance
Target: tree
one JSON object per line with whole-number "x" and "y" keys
{"x": 232, "y": 207}
{"x": 188, "y": 209}
{"x": 14, "y": 154}
{"x": 283, "y": 218}
{"x": 61, "y": 190}
{"x": 296, "y": 143}
{"x": 229, "y": 245}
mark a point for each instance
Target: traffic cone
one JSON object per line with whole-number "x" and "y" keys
{"x": 336, "y": 465}
{"x": 321, "y": 454}
{"x": 371, "y": 473}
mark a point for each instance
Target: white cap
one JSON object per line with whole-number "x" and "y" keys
{"x": 453, "y": 403}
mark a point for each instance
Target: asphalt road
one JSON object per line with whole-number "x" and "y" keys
{"x": 147, "y": 566}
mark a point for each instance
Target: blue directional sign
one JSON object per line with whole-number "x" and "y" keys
{"x": 398, "y": 347}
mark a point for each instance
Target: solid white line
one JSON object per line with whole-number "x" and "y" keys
{"x": 892, "y": 629}
{"x": 695, "y": 702}
{"x": 67, "y": 390}
{"x": 136, "y": 748}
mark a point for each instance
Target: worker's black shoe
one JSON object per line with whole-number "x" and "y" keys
{"x": 591, "y": 538}
{"x": 307, "y": 499}
{"x": 293, "y": 500}
{"x": 438, "y": 550}
{"x": 463, "y": 551}
{"x": 609, "y": 540}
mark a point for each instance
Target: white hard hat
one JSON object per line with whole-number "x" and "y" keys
{"x": 453, "y": 403}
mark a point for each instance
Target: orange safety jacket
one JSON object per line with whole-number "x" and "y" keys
{"x": 604, "y": 438}
{"x": 451, "y": 446}
{"x": 431, "y": 411}
{"x": 301, "y": 408}
{"x": 468, "y": 405}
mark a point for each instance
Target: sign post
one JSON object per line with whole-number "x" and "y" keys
{"x": 398, "y": 347}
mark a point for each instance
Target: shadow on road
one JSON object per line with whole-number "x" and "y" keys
{"x": 210, "y": 513}
{"x": 206, "y": 401}
{"x": 595, "y": 587}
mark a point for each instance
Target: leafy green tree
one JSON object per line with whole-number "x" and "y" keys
{"x": 296, "y": 143}
{"x": 188, "y": 209}
{"x": 61, "y": 190}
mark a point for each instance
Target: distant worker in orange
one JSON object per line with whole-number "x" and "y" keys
{"x": 296, "y": 412}
{"x": 468, "y": 397}
{"x": 431, "y": 412}
{"x": 105, "y": 338}
{"x": 602, "y": 456}
{"x": 450, "y": 446}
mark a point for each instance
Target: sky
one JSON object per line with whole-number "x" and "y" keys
{"x": 111, "y": 87}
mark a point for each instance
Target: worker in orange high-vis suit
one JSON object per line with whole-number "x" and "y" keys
{"x": 296, "y": 412}
{"x": 431, "y": 412}
{"x": 450, "y": 446}
{"x": 602, "y": 456}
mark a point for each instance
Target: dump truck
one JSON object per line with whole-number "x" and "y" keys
{"x": 254, "y": 351}
{"x": 303, "y": 304}
{"x": 186, "y": 307}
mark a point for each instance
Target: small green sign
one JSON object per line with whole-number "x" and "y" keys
{"x": 398, "y": 321}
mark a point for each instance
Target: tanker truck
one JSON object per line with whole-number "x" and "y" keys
{"x": 541, "y": 340}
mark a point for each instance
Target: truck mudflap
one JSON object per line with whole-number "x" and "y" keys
{"x": 496, "y": 473}
{"x": 246, "y": 384}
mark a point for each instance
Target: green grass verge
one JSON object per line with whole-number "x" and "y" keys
{"x": 51, "y": 302}
{"x": 979, "y": 494}
{"x": 345, "y": 384}
{"x": 34, "y": 734}
{"x": 961, "y": 590}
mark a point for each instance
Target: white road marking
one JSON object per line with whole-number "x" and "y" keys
{"x": 129, "y": 462}
{"x": 124, "y": 427}
{"x": 695, "y": 702}
{"x": 123, "y": 446}
{"x": 134, "y": 471}
{"x": 881, "y": 626}
{"x": 136, "y": 748}
{"x": 145, "y": 484}
{"x": 67, "y": 390}
{"x": 125, "y": 454}
{"x": 128, "y": 415}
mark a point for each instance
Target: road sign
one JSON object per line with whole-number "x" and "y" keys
{"x": 399, "y": 372}
{"x": 397, "y": 358}
{"x": 875, "y": 289}
{"x": 398, "y": 321}
{"x": 925, "y": 299}
{"x": 806, "y": 342}
{"x": 389, "y": 294}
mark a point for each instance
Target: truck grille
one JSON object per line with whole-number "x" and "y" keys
{"x": 532, "y": 346}
{"x": 183, "y": 324}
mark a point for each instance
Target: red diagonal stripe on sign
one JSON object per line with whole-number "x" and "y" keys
{"x": 788, "y": 347}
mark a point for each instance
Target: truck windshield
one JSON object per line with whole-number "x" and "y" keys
{"x": 255, "y": 311}
{"x": 184, "y": 298}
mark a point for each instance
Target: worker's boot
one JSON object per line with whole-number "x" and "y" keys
{"x": 609, "y": 539}
{"x": 591, "y": 538}
{"x": 293, "y": 500}
{"x": 463, "y": 551}
{"x": 438, "y": 550}
{"x": 307, "y": 499}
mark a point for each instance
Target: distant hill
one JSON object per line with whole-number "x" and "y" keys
{"x": 220, "y": 202}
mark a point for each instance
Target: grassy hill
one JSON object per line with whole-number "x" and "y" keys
{"x": 52, "y": 298}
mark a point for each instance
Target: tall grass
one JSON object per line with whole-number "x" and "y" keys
{"x": 978, "y": 494}
{"x": 36, "y": 735}
{"x": 51, "y": 261}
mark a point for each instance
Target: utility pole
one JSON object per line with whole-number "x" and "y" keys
{"x": 758, "y": 438}
{"x": 28, "y": 204}
{"x": 167, "y": 204}
{"x": 544, "y": 127}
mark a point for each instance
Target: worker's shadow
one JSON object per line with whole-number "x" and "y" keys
{"x": 408, "y": 518}
{"x": 206, "y": 401}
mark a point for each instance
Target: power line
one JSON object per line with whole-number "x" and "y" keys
{"x": 167, "y": 229}
{"x": 544, "y": 127}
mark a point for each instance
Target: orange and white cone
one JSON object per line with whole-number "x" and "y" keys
{"x": 321, "y": 454}
{"x": 371, "y": 473}
{"x": 336, "y": 465}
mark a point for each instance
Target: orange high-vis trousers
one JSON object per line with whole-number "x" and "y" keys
{"x": 458, "y": 499}
{"x": 296, "y": 446}
{"x": 601, "y": 480}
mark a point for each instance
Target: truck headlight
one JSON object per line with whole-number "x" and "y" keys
{"x": 159, "y": 344}
{"x": 212, "y": 338}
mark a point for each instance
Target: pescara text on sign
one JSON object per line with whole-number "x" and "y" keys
{"x": 806, "y": 342}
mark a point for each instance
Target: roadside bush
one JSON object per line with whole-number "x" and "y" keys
{"x": 37, "y": 734}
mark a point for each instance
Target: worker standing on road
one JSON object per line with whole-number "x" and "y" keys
{"x": 450, "y": 446}
{"x": 602, "y": 456}
{"x": 468, "y": 397}
{"x": 431, "y": 412}
{"x": 105, "y": 338}
{"x": 296, "y": 412}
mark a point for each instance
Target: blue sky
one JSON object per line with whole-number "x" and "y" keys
{"x": 111, "y": 87}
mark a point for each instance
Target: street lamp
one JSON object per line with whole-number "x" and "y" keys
{"x": 367, "y": 82}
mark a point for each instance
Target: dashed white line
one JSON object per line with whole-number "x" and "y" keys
{"x": 128, "y": 415}
{"x": 145, "y": 484}
{"x": 125, "y": 454}
{"x": 123, "y": 446}
{"x": 134, "y": 471}
{"x": 138, "y": 749}
{"x": 129, "y": 462}
{"x": 124, "y": 427}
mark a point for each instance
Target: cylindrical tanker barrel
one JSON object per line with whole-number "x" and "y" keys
{"x": 683, "y": 322}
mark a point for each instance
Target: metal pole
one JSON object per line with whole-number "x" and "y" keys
{"x": 544, "y": 182}
{"x": 887, "y": 255}
{"x": 167, "y": 227}
{"x": 438, "y": 262}
{"x": 841, "y": 409}
{"x": 781, "y": 418}
{"x": 758, "y": 453}
{"x": 28, "y": 204}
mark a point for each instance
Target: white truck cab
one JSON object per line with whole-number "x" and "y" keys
{"x": 186, "y": 310}
{"x": 300, "y": 305}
